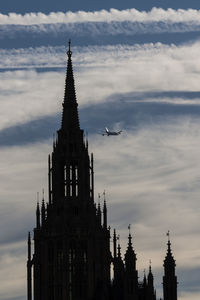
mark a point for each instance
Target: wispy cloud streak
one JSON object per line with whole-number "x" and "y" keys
{"x": 133, "y": 15}
{"x": 91, "y": 30}
{"x": 145, "y": 66}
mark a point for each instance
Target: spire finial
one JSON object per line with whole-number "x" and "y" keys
{"x": 69, "y": 52}
{"x": 169, "y": 242}
{"x": 104, "y": 195}
{"x": 129, "y": 228}
{"x": 150, "y": 262}
{"x": 38, "y": 197}
{"x": 129, "y": 236}
{"x": 99, "y": 198}
{"x": 118, "y": 247}
{"x": 168, "y": 235}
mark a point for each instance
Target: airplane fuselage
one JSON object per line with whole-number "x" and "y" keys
{"x": 108, "y": 133}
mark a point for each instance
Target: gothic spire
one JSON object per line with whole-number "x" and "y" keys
{"x": 70, "y": 118}
{"x": 130, "y": 256}
{"x": 169, "y": 259}
{"x": 151, "y": 292}
{"x": 43, "y": 211}
{"x": 150, "y": 275}
{"x": 38, "y": 216}
{"x": 104, "y": 212}
{"x": 114, "y": 245}
{"x": 29, "y": 274}
{"x": 118, "y": 249}
{"x": 129, "y": 237}
{"x": 169, "y": 278}
{"x": 144, "y": 280}
{"x": 99, "y": 209}
{"x": 29, "y": 246}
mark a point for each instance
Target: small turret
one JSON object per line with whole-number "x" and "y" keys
{"x": 38, "y": 216}
{"x": 99, "y": 210}
{"x": 130, "y": 256}
{"x": 144, "y": 280}
{"x": 118, "y": 282}
{"x": 104, "y": 212}
{"x": 50, "y": 179}
{"x": 29, "y": 246}
{"x": 92, "y": 177}
{"x": 29, "y": 272}
{"x": 169, "y": 278}
{"x": 114, "y": 245}
{"x": 150, "y": 283}
{"x": 131, "y": 274}
{"x": 43, "y": 210}
{"x": 119, "y": 250}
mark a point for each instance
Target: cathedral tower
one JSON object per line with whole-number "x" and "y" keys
{"x": 71, "y": 258}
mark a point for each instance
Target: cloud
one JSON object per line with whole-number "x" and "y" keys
{"x": 152, "y": 182}
{"x": 23, "y": 173}
{"x": 150, "y": 172}
{"x": 126, "y": 73}
{"x": 20, "y": 104}
{"x": 155, "y": 15}
{"x": 97, "y": 33}
{"x": 100, "y": 27}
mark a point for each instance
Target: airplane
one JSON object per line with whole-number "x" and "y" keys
{"x": 108, "y": 132}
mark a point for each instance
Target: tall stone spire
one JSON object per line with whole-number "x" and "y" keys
{"x": 169, "y": 278}
{"x": 71, "y": 246}
{"x": 70, "y": 118}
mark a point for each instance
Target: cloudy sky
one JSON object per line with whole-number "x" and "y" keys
{"x": 137, "y": 68}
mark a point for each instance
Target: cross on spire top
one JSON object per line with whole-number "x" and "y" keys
{"x": 168, "y": 234}
{"x": 69, "y": 52}
{"x": 129, "y": 228}
{"x": 99, "y": 198}
{"x": 104, "y": 195}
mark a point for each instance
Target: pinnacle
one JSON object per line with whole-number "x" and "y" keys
{"x": 70, "y": 118}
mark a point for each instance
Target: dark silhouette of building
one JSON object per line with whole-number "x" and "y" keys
{"x": 169, "y": 278}
{"x": 72, "y": 257}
